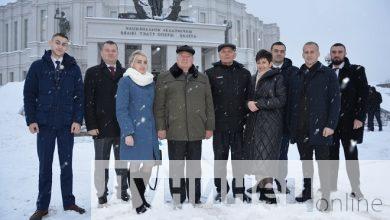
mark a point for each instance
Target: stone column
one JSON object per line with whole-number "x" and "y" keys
{"x": 122, "y": 54}
{"x": 52, "y": 24}
{"x": 92, "y": 54}
{"x": 171, "y": 55}
{"x": 216, "y": 54}
{"x": 147, "y": 49}
{"x": 2, "y": 35}
{"x": 198, "y": 58}
{"x": 76, "y": 23}
{"x": 99, "y": 9}
{"x": 33, "y": 24}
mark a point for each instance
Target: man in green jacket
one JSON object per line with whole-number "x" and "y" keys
{"x": 184, "y": 113}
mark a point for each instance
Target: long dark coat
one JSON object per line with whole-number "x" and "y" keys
{"x": 100, "y": 92}
{"x": 230, "y": 88}
{"x": 264, "y": 128}
{"x": 354, "y": 94}
{"x": 323, "y": 103}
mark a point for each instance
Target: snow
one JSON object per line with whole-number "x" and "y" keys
{"x": 19, "y": 179}
{"x": 385, "y": 92}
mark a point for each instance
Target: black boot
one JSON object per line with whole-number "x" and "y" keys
{"x": 238, "y": 191}
{"x": 268, "y": 195}
{"x": 357, "y": 194}
{"x": 136, "y": 189}
{"x": 245, "y": 198}
{"x": 141, "y": 209}
{"x": 306, "y": 193}
{"x": 279, "y": 186}
{"x": 218, "y": 198}
{"x": 125, "y": 196}
{"x": 102, "y": 200}
{"x": 142, "y": 188}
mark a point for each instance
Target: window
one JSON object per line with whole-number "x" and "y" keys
{"x": 15, "y": 35}
{"x": 90, "y": 11}
{"x": 25, "y": 34}
{"x": 11, "y": 77}
{"x": 43, "y": 20}
{"x": 6, "y": 38}
{"x": 202, "y": 17}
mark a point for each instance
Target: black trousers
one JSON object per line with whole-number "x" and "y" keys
{"x": 102, "y": 156}
{"x": 352, "y": 163}
{"x": 306, "y": 152}
{"x": 370, "y": 122}
{"x": 223, "y": 141}
{"x": 185, "y": 155}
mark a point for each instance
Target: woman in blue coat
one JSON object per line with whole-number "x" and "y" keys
{"x": 134, "y": 110}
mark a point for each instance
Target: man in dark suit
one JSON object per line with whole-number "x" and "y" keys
{"x": 101, "y": 83}
{"x": 354, "y": 93}
{"x": 53, "y": 103}
{"x": 285, "y": 67}
{"x": 315, "y": 108}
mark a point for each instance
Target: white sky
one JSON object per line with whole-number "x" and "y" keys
{"x": 359, "y": 24}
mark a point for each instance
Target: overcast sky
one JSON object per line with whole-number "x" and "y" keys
{"x": 362, "y": 25}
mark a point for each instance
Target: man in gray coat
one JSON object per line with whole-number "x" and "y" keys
{"x": 184, "y": 114}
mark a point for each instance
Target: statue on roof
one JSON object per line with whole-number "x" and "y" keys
{"x": 153, "y": 9}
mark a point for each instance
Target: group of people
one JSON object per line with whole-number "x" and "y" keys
{"x": 252, "y": 116}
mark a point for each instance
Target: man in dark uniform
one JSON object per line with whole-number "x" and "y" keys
{"x": 230, "y": 83}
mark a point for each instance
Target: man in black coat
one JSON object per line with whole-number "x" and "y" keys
{"x": 100, "y": 92}
{"x": 354, "y": 93}
{"x": 230, "y": 83}
{"x": 315, "y": 108}
{"x": 374, "y": 108}
{"x": 285, "y": 67}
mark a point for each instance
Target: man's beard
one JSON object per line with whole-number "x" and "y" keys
{"x": 337, "y": 62}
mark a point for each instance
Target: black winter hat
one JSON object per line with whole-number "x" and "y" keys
{"x": 221, "y": 46}
{"x": 185, "y": 48}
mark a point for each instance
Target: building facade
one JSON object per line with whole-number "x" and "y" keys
{"x": 27, "y": 25}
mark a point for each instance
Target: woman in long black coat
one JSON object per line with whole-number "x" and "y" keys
{"x": 263, "y": 132}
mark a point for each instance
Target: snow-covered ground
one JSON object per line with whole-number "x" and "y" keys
{"x": 385, "y": 97}
{"x": 19, "y": 180}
